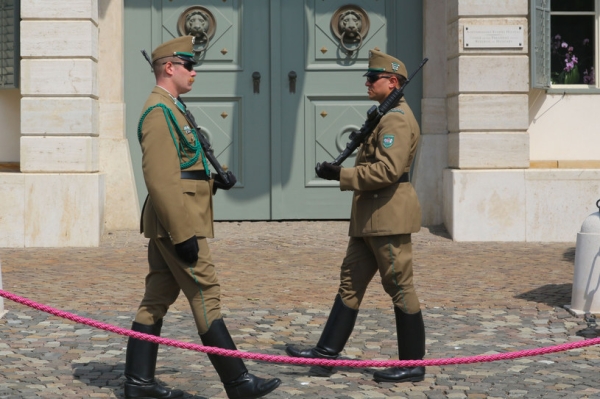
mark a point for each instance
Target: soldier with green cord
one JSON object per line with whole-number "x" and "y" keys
{"x": 177, "y": 217}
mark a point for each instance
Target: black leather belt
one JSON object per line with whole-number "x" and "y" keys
{"x": 403, "y": 178}
{"x": 194, "y": 175}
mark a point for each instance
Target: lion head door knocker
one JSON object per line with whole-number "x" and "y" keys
{"x": 199, "y": 22}
{"x": 350, "y": 24}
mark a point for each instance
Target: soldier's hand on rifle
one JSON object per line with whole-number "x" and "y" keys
{"x": 328, "y": 171}
{"x": 219, "y": 183}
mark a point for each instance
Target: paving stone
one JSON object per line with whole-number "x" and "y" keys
{"x": 278, "y": 282}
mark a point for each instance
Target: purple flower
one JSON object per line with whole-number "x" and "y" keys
{"x": 569, "y": 66}
{"x": 570, "y": 62}
{"x": 588, "y": 77}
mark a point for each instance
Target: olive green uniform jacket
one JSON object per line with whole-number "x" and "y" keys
{"x": 176, "y": 208}
{"x": 380, "y": 205}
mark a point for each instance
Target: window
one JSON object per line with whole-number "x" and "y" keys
{"x": 564, "y": 43}
{"x": 9, "y": 44}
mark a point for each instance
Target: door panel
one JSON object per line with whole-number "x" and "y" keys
{"x": 223, "y": 101}
{"x": 331, "y": 99}
{"x": 233, "y": 117}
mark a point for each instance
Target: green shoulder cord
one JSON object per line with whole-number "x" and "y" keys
{"x": 183, "y": 147}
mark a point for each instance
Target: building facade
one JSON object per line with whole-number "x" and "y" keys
{"x": 508, "y": 149}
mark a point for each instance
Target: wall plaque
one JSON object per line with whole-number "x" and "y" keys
{"x": 493, "y": 36}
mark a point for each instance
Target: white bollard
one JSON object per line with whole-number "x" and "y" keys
{"x": 585, "y": 297}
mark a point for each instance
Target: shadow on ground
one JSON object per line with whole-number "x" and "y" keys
{"x": 556, "y": 295}
{"x": 439, "y": 230}
{"x": 110, "y": 376}
{"x": 569, "y": 255}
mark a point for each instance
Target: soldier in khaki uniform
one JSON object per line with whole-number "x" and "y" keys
{"x": 385, "y": 211}
{"x": 178, "y": 218}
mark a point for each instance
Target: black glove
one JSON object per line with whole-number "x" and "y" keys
{"x": 328, "y": 171}
{"x": 188, "y": 250}
{"x": 219, "y": 183}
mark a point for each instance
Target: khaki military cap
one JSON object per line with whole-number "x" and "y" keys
{"x": 181, "y": 47}
{"x": 382, "y": 62}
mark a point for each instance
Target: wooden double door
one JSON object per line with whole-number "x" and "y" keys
{"x": 275, "y": 92}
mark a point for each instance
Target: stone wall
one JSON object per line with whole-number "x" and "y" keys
{"x": 491, "y": 192}
{"x": 75, "y": 176}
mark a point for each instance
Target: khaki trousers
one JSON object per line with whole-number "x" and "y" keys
{"x": 392, "y": 257}
{"x": 168, "y": 275}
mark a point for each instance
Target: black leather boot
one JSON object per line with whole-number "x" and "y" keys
{"x": 239, "y": 384}
{"x": 337, "y": 330}
{"x": 140, "y": 365}
{"x": 411, "y": 346}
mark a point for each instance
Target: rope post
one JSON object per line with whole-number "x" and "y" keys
{"x": 591, "y": 330}
{"x": 585, "y": 297}
{"x": 2, "y": 311}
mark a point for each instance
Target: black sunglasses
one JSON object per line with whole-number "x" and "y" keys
{"x": 187, "y": 65}
{"x": 374, "y": 78}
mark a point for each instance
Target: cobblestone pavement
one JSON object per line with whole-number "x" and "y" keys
{"x": 278, "y": 282}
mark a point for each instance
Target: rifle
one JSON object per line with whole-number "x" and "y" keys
{"x": 374, "y": 115}
{"x": 228, "y": 179}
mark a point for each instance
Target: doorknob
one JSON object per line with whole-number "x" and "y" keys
{"x": 292, "y": 76}
{"x": 350, "y": 24}
{"x": 256, "y": 81}
{"x": 199, "y": 22}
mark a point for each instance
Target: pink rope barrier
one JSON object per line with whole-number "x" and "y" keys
{"x": 296, "y": 360}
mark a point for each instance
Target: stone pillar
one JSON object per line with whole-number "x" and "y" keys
{"x": 63, "y": 191}
{"x": 488, "y": 118}
{"x": 432, "y": 157}
{"x": 122, "y": 205}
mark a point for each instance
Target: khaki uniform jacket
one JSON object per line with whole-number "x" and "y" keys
{"x": 380, "y": 205}
{"x": 176, "y": 208}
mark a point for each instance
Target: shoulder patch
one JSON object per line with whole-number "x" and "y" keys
{"x": 397, "y": 110}
{"x": 388, "y": 140}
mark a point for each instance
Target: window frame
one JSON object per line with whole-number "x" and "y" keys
{"x": 540, "y": 32}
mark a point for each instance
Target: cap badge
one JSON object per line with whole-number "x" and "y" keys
{"x": 395, "y": 66}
